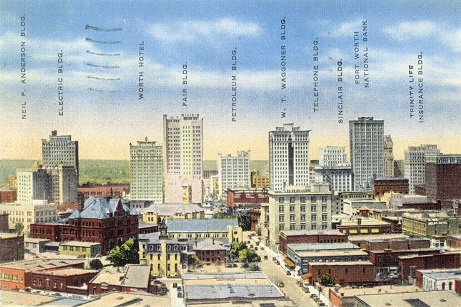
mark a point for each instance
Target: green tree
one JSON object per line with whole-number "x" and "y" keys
{"x": 18, "y": 228}
{"x": 244, "y": 221}
{"x": 126, "y": 253}
{"x": 326, "y": 280}
{"x": 96, "y": 264}
{"x": 236, "y": 247}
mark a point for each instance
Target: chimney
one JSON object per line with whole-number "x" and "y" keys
{"x": 359, "y": 221}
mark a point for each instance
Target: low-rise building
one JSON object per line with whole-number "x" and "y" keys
{"x": 416, "y": 298}
{"x": 344, "y": 273}
{"x": 211, "y": 250}
{"x": 409, "y": 264}
{"x": 309, "y": 236}
{"x": 382, "y": 185}
{"x": 18, "y": 275}
{"x": 11, "y": 247}
{"x": 205, "y": 228}
{"x": 132, "y": 277}
{"x": 160, "y": 213}
{"x": 71, "y": 280}
{"x": 453, "y": 242}
{"x": 34, "y": 245}
{"x": 364, "y": 226}
{"x": 80, "y": 249}
{"x": 301, "y": 255}
{"x": 164, "y": 256}
{"x": 435, "y": 280}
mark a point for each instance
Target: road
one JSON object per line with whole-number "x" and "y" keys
{"x": 276, "y": 273}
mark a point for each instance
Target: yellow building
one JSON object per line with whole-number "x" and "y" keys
{"x": 36, "y": 212}
{"x": 205, "y": 228}
{"x": 80, "y": 249}
{"x": 160, "y": 213}
{"x": 165, "y": 257}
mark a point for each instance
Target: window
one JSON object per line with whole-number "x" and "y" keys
{"x": 281, "y": 218}
{"x": 293, "y": 227}
{"x": 281, "y": 200}
{"x": 346, "y": 270}
{"x": 292, "y": 208}
{"x": 324, "y": 199}
{"x": 313, "y": 199}
{"x": 54, "y": 284}
{"x": 292, "y": 199}
{"x": 324, "y": 208}
{"x": 292, "y": 217}
{"x": 302, "y": 199}
{"x": 281, "y": 208}
{"x": 313, "y": 208}
{"x": 281, "y": 227}
{"x": 314, "y": 217}
{"x": 47, "y": 282}
{"x": 303, "y": 208}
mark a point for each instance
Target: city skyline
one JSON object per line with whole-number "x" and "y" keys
{"x": 87, "y": 55}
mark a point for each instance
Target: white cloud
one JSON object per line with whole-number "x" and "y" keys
{"x": 195, "y": 30}
{"x": 408, "y": 30}
{"x": 346, "y": 28}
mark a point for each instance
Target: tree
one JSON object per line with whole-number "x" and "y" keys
{"x": 236, "y": 247}
{"x": 96, "y": 264}
{"x": 326, "y": 280}
{"x": 244, "y": 221}
{"x": 18, "y": 228}
{"x": 126, "y": 253}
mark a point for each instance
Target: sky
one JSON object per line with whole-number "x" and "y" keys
{"x": 74, "y": 66}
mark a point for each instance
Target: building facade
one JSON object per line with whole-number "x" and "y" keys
{"x": 389, "y": 184}
{"x": 33, "y": 185}
{"x": 108, "y": 222}
{"x": 234, "y": 172}
{"x": 415, "y": 164}
{"x": 288, "y": 157}
{"x": 298, "y": 208}
{"x": 366, "y": 138}
{"x": 183, "y": 148}
{"x": 388, "y": 156}
{"x": 339, "y": 177}
{"x": 146, "y": 164}
{"x": 332, "y": 156}
{"x": 60, "y": 150}
{"x": 443, "y": 177}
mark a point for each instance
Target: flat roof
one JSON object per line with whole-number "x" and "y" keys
{"x": 229, "y": 291}
{"x": 381, "y": 236}
{"x": 442, "y": 273}
{"x": 79, "y": 243}
{"x": 410, "y": 299}
{"x": 298, "y": 247}
{"x": 349, "y": 291}
{"x": 38, "y": 264}
{"x": 332, "y": 232}
{"x": 130, "y": 299}
{"x": 332, "y": 253}
{"x": 134, "y": 275}
{"x": 343, "y": 263}
{"x": 67, "y": 272}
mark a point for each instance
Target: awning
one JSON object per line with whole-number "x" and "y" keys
{"x": 374, "y": 230}
{"x": 289, "y": 262}
{"x": 306, "y": 276}
{"x": 363, "y": 230}
{"x": 353, "y": 231}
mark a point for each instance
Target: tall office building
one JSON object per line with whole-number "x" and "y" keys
{"x": 366, "y": 139}
{"x": 33, "y": 185}
{"x": 59, "y": 150}
{"x": 234, "y": 172}
{"x": 288, "y": 157}
{"x": 183, "y": 147}
{"x": 146, "y": 164}
{"x": 415, "y": 164}
{"x": 332, "y": 155}
{"x": 443, "y": 178}
{"x": 388, "y": 156}
{"x": 64, "y": 184}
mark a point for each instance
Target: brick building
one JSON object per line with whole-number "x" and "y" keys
{"x": 18, "y": 275}
{"x": 211, "y": 251}
{"x": 4, "y": 222}
{"x": 453, "y": 241}
{"x": 104, "y": 221}
{"x": 111, "y": 190}
{"x": 443, "y": 177}
{"x": 133, "y": 277}
{"x": 409, "y": 264}
{"x": 61, "y": 280}
{"x": 389, "y": 184}
{"x": 365, "y": 226}
{"x": 309, "y": 236}
{"x": 344, "y": 273}
{"x": 246, "y": 198}
{"x": 7, "y": 196}
{"x": 11, "y": 247}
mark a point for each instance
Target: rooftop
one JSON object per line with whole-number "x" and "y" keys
{"x": 200, "y": 225}
{"x": 332, "y": 253}
{"x": 342, "y": 263}
{"x": 228, "y": 291}
{"x": 298, "y": 247}
{"x": 378, "y": 237}
{"x": 410, "y": 299}
{"x": 132, "y": 275}
{"x": 67, "y": 272}
{"x": 79, "y": 243}
{"x": 173, "y": 209}
{"x": 39, "y": 264}
{"x": 101, "y": 208}
{"x": 442, "y": 273}
{"x": 332, "y": 232}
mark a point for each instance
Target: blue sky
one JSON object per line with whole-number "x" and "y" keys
{"x": 106, "y": 115}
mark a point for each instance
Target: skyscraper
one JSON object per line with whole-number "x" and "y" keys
{"x": 288, "y": 157}
{"x": 146, "y": 164}
{"x": 388, "y": 156}
{"x": 59, "y": 150}
{"x": 183, "y": 147}
{"x": 332, "y": 156}
{"x": 366, "y": 139}
{"x": 415, "y": 164}
{"x": 234, "y": 172}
